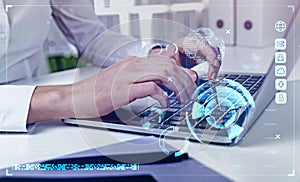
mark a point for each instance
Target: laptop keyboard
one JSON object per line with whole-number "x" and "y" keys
{"x": 251, "y": 82}
{"x": 172, "y": 116}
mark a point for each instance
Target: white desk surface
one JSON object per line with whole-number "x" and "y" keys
{"x": 259, "y": 157}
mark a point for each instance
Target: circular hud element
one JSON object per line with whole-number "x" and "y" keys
{"x": 220, "y": 106}
{"x": 161, "y": 33}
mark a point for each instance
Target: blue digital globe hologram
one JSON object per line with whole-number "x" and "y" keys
{"x": 220, "y": 106}
{"x": 199, "y": 40}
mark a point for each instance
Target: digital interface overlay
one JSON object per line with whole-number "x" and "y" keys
{"x": 230, "y": 100}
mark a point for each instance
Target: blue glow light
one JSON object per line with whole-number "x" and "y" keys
{"x": 223, "y": 104}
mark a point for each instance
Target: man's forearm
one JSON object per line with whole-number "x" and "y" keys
{"x": 51, "y": 102}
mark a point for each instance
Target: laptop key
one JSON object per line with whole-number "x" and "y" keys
{"x": 247, "y": 85}
{"x": 178, "y": 123}
{"x": 235, "y": 75}
{"x": 240, "y": 81}
{"x": 254, "y": 89}
{"x": 244, "y": 76}
{"x": 177, "y": 117}
{"x": 231, "y": 77}
{"x": 172, "y": 109}
{"x": 256, "y": 77}
{"x": 251, "y": 82}
{"x": 252, "y": 92}
{"x": 260, "y": 82}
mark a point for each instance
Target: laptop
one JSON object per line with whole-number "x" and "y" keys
{"x": 153, "y": 120}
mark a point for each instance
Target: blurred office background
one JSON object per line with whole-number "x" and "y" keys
{"x": 115, "y": 13}
{"x": 244, "y": 23}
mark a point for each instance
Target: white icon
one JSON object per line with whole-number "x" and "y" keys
{"x": 280, "y": 44}
{"x": 280, "y": 70}
{"x": 280, "y": 84}
{"x": 281, "y": 98}
{"x": 280, "y": 26}
{"x": 228, "y": 31}
{"x": 280, "y": 57}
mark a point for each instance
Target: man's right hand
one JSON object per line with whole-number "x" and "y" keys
{"x": 112, "y": 88}
{"x": 205, "y": 50}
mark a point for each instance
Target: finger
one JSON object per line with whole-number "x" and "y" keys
{"x": 171, "y": 76}
{"x": 213, "y": 71}
{"x": 174, "y": 53}
{"x": 190, "y": 49}
{"x": 179, "y": 43}
{"x": 190, "y": 78}
{"x": 155, "y": 52}
{"x": 129, "y": 58}
{"x": 203, "y": 47}
{"x": 214, "y": 66}
{"x": 141, "y": 90}
{"x": 211, "y": 57}
{"x": 165, "y": 72}
{"x": 193, "y": 74}
{"x": 179, "y": 83}
{"x": 177, "y": 48}
{"x": 184, "y": 84}
{"x": 170, "y": 83}
{"x": 183, "y": 81}
{"x": 171, "y": 52}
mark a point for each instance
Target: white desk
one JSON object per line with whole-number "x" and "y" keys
{"x": 253, "y": 159}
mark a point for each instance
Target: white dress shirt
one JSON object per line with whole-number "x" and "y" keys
{"x": 28, "y": 22}
{"x": 4, "y": 30}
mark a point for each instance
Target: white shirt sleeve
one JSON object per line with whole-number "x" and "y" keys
{"x": 4, "y": 30}
{"x": 110, "y": 47}
{"x": 14, "y": 107}
{"x": 96, "y": 44}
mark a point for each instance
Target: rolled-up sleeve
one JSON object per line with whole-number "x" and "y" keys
{"x": 96, "y": 44}
{"x": 14, "y": 107}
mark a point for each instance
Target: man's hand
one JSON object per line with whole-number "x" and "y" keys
{"x": 171, "y": 52}
{"x": 116, "y": 86}
{"x": 174, "y": 50}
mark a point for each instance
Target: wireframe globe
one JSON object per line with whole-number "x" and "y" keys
{"x": 220, "y": 106}
{"x": 200, "y": 39}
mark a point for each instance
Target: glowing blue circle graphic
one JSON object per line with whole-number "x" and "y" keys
{"x": 220, "y": 105}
